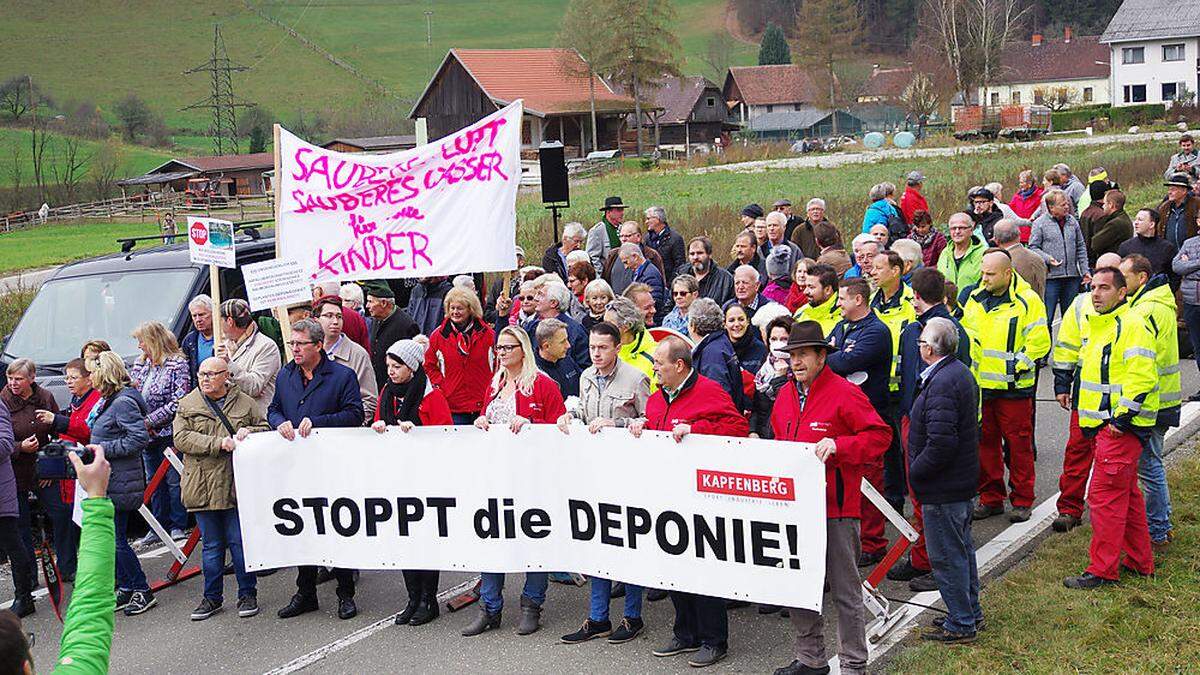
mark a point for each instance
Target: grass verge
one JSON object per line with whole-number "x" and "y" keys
{"x": 1035, "y": 625}
{"x": 55, "y": 244}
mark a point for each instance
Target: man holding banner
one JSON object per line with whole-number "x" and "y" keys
{"x": 688, "y": 402}
{"x": 818, "y": 406}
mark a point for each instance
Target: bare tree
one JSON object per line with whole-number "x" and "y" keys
{"x": 578, "y": 32}
{"x": 16, "y": 174}
{"x": 921, "y": 100}
{"x": 69, "y": 169}
{"x": 993, "y": 25}
{"x": 1056, "y": 98}
{"x": 718, "y": 54}
{"x": 826, "y": 33}
{"x": 107, "y": 162}
{"x": 970, "y": 36}
{"x": 946, "y": 24}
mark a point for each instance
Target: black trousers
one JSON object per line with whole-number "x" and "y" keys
{"x": 700, "y": 620}
{"x": 306, "y": 581}
{"x": 422, "y": 584}
{"x": 22, "y": 564}
{"x": 895, "y": 481}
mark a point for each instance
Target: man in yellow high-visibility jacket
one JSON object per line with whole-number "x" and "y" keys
{"x": 892, "y": 303}
{"x": 1009, "y": 321}
{"x": 821, "y": 287}
{"x": 1118, "y": 405}
{"x": 1150, "y": 295}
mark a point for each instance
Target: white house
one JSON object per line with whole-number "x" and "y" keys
{"x": 751, "y": 91}
{"x": 1155, "y": 49}
{"x": 1074, "y": 70}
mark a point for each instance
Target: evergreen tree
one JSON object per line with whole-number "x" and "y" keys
{"x": 647, "y": 52}
{"x": 827, "y": 31}
{"x": 774, "y": 49}
{"x": 258, "y": 139}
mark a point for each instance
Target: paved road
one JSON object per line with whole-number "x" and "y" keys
{"x": 164, "y": 640}
{"x": 26, "y": 279}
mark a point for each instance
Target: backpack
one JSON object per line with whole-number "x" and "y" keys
{"x": 897, "y": 229}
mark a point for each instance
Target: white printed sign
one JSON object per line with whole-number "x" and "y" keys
{"x": 210, "y": 242}
{"x": 275, "y": 283}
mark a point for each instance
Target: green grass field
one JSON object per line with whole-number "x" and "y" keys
{"x": 135, "y": 159}
{"x": 54, "y": 244}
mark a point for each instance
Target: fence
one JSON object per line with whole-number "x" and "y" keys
{"x": 145, "y": 206}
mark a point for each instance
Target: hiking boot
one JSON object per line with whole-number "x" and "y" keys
{"x": 1087, "y": 581}
{"x": 707, "y": 656}
{"x": 299, "y": 604}
{"x": 1019, "y": 514}
{"x": 206, "y": 609}
{"x": 23, "y": 606}
{"x": 426, "y": 612}
{"x": 531, "y": 617}
{"x": 674, "y": 647}
{"x": 406, "y": 614}
{"x": 923, "y": 583}
{"x": 980, "y": 625}
{"x": 140, "y": 602}
{"x": 588, "y": 631}
{"x": 1163, "y": 544}
{"x": 656, "y": 594}
{"x": 247, "y": 606}
{"x": 940, "y": 634}
{"x": 797, "y": 668}
{"x": 629, "y": 629}
{"x": 485, "y": 621}
{"x": 905, "y": 571}
{"x": 1066, "y": 522}
{"x": 347, "y": 609}
{"x": 984, "y": 511}
{"x": 123, "y": 598}
{"x": 869, "y": 559}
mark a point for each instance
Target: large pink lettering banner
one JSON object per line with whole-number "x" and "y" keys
{"x": 445, "y": 208}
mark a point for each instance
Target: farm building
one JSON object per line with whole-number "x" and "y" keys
{"x": 473, "y": 83}
{"x": 808, "y": 122}
{"x": 222, "y": 174}
{"x": 372, "y": 144}
{"x": 757, "y": 90}
{"x": 1058, "y": 73}
{"x": 686, "y": 111}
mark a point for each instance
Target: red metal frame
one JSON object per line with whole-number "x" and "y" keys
{"x": 176, "y": 573}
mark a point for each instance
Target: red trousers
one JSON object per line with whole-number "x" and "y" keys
{"x": 871, "y": 535}
{"x": 1077, "y": 463}
{"x": 1012, "y": 420}
{"x": 917, "y": 555}
{"x": 1118, "y": 510}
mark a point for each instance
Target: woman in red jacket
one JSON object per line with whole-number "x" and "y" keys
{"x": 409, "y": 399}
{"x": 519, "y": 395}
{"x": 459, "y": 359}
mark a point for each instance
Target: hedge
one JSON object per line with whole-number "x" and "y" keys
{"x": 1119, "y": 118}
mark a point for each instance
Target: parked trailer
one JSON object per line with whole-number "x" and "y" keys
{"x": 976, "y": 121}
{"x": 1019, "y": 122}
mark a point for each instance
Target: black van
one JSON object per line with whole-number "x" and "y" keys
{"x": 108, "y": 296}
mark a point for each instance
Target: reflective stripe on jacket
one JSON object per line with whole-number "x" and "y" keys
{"x": 1118, "y": 377}
{"x": 1072, "y": 336}
{"x": 896, "y": 312}
{"x": 1155, "y": 301}
{"x": 1012, "y": 335}
{"x": 828, "y": 314}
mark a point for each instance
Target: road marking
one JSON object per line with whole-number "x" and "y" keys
{"x": 361, "y": 634}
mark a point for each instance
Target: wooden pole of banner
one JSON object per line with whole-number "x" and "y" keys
{"x": 214, "y": 289}
{"x": 281, "y": 313}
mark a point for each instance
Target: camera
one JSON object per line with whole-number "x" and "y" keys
{"x": 53, "y": 463}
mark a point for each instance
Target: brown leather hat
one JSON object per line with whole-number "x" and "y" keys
{"x": 806, "y": 334}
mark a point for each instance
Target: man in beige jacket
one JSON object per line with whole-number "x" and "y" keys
{"x": 1028, "y": 264}
{"x": 253, "y": 358}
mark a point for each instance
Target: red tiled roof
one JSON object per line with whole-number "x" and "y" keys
{"x": 1054, "y": 60}
{"x": 887, "y": 83}
{"x": 771, "y": 85}
{"x": 677, "y": 96}
{"x": 257, "y": 160}
{"x": 539, "y": 77}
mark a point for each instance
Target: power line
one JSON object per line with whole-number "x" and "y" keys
{"x": 221, "y": 101}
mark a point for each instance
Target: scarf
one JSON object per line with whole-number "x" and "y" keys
{"x": 926, "y": 240}
{"x": 460, "y": 335}
{"x": 1028, "y": 192}
{"x": 401, "y": 402}
{"x": 743, "y": 345}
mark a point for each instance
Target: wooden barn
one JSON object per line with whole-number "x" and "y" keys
{"x": 229, "y": 174}
{"x": 686, "y": 111}
{"x": 372, "y": 144}
{"x": 473, "y": 83}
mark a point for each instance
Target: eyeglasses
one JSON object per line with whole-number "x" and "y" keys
{"x": 680, "y": 294}
{"x": 980, "y": 202}
{"x": 297, "y": 343}
{"x": 528, "y": 298}
{"x": 506, "y": 348}
{"x": 209, "y": 375}
{"x": 331, "y": 316}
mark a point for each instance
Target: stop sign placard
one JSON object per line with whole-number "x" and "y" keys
{"x": 199, "y": 232}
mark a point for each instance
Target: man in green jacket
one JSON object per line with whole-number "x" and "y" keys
{"x": 960, "y": 261}
{"x": 1110, "y": 230}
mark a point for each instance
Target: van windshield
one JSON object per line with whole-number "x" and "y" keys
{"x": 68, "y": 312}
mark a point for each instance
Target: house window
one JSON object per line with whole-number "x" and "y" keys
{"x": 710, "y": 102}
{"x": 1087, "y": 95}
{"x": 995, "y": 98}
{"x": 1131, "y": 55}
{"x": 1169, "y": 90}
{"x": 770, "y": 108}
{"x": 1016, "y": 98}
{"x": 1173, "y": 52}
{"x": 1135, "y": 93}
{"x": 797, "y": 106}
{"x": 1039, "y": 98}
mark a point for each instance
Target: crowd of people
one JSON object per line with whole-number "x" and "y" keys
{"x": 910, "y": 361}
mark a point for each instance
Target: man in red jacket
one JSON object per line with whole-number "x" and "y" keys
{"x": 687, "y": 402}
{"x": 820, "y": 407}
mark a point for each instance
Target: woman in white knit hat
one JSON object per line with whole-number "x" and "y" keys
{"x": 409, "y": 399}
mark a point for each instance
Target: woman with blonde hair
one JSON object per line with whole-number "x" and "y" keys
{"x": 459, "y": 358}
{"x": 162, "y": 375}
{"x": 519, "y": 395}
{"x": 118, "y": 424}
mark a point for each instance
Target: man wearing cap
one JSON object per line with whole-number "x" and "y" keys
{"x": 983, "y": 212}
{"x": 1177, "y": 213}
{"x": 603, "y": 237}
{"x": 749, "y": 214}
{"x": 821, "y": 408}
{"x": 1186, "y": 161}
{"x": 912, "y": 200}
{"x": 391, "y": 324}
{"x": 784, "y": 206}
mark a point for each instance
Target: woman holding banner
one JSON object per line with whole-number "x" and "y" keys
{"x": 409, "y": 399}
{"x": 459, "y": 356}
{"x": 518, "y": 395}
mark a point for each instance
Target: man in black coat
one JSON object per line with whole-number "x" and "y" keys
{"x": 390, "y": 324}
{"x": 668, "y": 242}
{"x": 943, "y": 473}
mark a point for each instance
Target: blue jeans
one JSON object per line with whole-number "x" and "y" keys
{"x": 221, "y": 530}
{"x": 602, "y": 594}
{"x": 130, "y": 576}
{"x": 66, "y": 532}
{"x": 167, "y": 502}
{"x": 952, "y": 557}
{"x": 491, "y": 589}
{"x": 1060, "y": 292}
{"x": 1154, "y": 486}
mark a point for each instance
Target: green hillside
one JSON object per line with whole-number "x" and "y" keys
{"x": 134, "y": 159}
{"x": 104, "y": 49}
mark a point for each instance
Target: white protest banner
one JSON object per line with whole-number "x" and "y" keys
{"x": 444, "y": 208}
{"x": 210, "y": 242}
{"x": 275, "y": 283}
{"x": 735, "y": 518}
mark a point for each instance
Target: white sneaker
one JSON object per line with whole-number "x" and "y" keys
{"x": 179, "y": 535}
{"x": 149, "y": 540}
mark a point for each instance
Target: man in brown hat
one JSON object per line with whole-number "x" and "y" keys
{"x": 603, "y": 237}
{"x": 1177, "y": 213}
